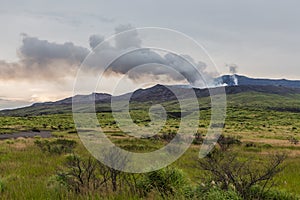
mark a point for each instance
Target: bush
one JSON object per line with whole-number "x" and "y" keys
{"x": 167, "y": 181}
{"x": 267, "y": 146}
{"x": 35, "y": 130}
{"x": 58, "y": 146}
{"x": 227, "y": 141}
{"x": 72, "y": 132}
{"x": 198, "y": 138}
{"x": 2, "y": 186}
{"x": 215, "y": 193}
{"x": 256, "y": 192}
{"x": 168, "y": 136}
{"x": 85, "y": 176}
{"x": 80, "y": 176}
{"x": 250, "y": 144}
{"x": 229, "y": 169}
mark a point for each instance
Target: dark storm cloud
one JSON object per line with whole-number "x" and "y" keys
{"x": 51, "y": 61}
{"x": 157, "y": 63}
{"x": 42, "y": 51}
{"x": 43, "y": 59}
{"x": 154, "y": 62}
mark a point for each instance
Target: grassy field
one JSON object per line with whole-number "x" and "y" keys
{"x": 263, "y": 124}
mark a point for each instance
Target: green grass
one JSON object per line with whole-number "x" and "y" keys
{"x": 25, "y": 171}
{"x": 266, "y": 120}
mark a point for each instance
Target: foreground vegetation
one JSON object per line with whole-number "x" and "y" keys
{"x": 61, "y": 168}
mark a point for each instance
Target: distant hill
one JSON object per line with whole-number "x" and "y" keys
{"x": 243, "y": 80}
{"x": 261, "y": 91}
{"x": 160, "y": 93}
{"x": 98, "y": 97}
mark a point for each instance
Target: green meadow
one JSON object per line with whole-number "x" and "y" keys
{"x": 31, "y": 168}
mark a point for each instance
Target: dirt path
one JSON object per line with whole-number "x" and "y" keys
{"x": 43, "y": 134}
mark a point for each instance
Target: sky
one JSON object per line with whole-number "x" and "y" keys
{"x": 44, "y": 42}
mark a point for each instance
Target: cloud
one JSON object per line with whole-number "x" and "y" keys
{"x": 156, "y": 63}
{"x": 44, "y": 60}
{"x": 94, "y": 40}
{"x": 42, "y": 51}
{"x": 127, "y": 39}
{"x": 41, "y": 59}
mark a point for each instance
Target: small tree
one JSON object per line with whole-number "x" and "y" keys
{"x": 87, "y": 175}
{"x": 118, "y": 161}
{"x": 82, "y": 176}
{"x": 228, "y": 169}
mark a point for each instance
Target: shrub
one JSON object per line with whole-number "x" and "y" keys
{"x": 60, "y": 127}
{"x": 250, "y": 144}
{"x": 257, "y": 192}
{"x": 168, "y": 136}
{"x": 2, "y": 186}
{"x": 227, "y": 141}
{"x": 58, "y": 146}
{"x": 198, "y": 138}
{"x": 167, "y": 181}
{"x": 72, "y": 132}
{"x": 215, "y": 193}
{"x": 10, "y": 141}
{"x": 267, "y": 146}
{"x": 35, "y": 130}
{"x": 229, "y": 169}
{"x": 137, "y": 147}
{"x": 80, "y": 176}
{"x": 83, "y": 176}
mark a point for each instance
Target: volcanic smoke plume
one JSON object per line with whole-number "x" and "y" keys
{"x": 233, "y": 70}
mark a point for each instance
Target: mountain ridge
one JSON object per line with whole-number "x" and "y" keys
{"x": 244, "y": 80}
{"x": 159, "y": 93}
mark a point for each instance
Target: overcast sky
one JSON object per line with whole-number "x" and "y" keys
{"x": 260, "y": 37}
